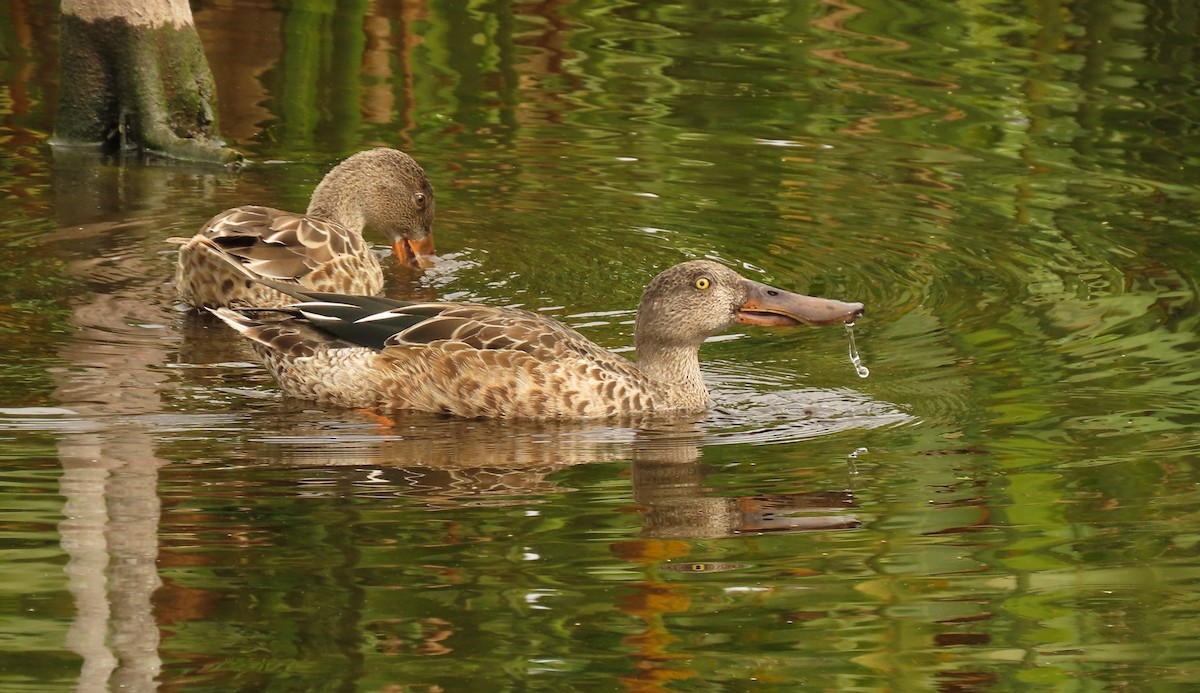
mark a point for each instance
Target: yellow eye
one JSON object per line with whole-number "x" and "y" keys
{"x": 702, "y": 283}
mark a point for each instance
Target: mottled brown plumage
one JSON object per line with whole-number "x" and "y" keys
{"x": 481, "y": 361}
{"x": 322, "y": 249}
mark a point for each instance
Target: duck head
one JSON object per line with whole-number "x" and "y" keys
{"x": 385, "y": 190}
{"x": 694, "y": 300}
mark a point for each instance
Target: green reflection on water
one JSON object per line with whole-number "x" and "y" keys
{"x": 1009, "y": 190}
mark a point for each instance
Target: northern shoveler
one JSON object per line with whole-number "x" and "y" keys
{"x": 480, "y": 361}
{"x": 320, "y": 250}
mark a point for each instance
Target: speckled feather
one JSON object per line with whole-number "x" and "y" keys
{"x": 461, "y": 359}
{"x": 481, "y": 361}
{"x": 277, "y": 245}
{"x": 322, "y": 249}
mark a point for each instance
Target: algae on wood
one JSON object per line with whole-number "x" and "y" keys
{"x": 134, "y": 76}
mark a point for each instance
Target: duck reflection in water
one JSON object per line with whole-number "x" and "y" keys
{"x": 449, "y": 463}
{"x": 669, "y": 484}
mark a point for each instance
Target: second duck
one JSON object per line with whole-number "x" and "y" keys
{"x": 322, "y": 249}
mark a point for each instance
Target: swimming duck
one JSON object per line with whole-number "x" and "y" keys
{"x": 322, "y": 249}
{"x": 480, "y": 361}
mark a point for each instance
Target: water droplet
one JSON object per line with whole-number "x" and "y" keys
{"x": 852, "y": 457}
{"x": 855, "y": 359}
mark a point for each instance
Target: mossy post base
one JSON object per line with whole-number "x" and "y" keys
{"x": 136, "y": 81}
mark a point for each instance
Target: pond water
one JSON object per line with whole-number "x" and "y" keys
{"x": 1002, "y": 504}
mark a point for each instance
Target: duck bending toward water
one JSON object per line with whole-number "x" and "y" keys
{"x": 322, "y": 249}
{"x": 481, "y": 361}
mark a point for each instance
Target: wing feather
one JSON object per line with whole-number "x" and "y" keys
{"x": 278, "y": 244}
{"x": 396, "y": 328}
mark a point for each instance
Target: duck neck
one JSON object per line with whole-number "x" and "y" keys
{"x": 675, "y": 369}
{"x": 335, "y": 200}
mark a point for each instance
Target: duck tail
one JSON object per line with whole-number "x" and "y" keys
{"x": 239, "y": 321}
{"x": 276, "y": 340}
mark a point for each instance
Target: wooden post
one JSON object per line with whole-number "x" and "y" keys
{"x": 134, "y": 76}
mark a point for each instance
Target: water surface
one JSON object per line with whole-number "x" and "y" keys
{"x": 1003, "y": 504}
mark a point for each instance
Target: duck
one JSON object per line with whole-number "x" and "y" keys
{"x": 322, "y": 249}
{"x": 479, "y": 361}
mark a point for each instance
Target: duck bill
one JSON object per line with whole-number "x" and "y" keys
{"x": 771, "y": 307}
{"x": 418, "y": 253}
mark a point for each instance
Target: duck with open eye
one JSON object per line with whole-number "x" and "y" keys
{"x": 483, "y": 361}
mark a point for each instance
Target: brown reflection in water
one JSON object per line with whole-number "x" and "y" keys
{"x": 382, "y": 50}
{"x": 966, "y": 681}
{"x": 676, "y": 503}
{"x": 902, "y": 107}
{"x": 651, "y": 601}
{"x": 33, "y": 29}
{"x": 394, "y": 636}
{"x": 549, "y": 59}
{"x": 668, "y": 485}
{"x": 449, "y": 463}
{"x": 445, "y": 461}
{"x": 244, "y": 43}
{"x": 239, "y": 54}
{"x": 113, "y": 376}
{"x": 378, "y": 99}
